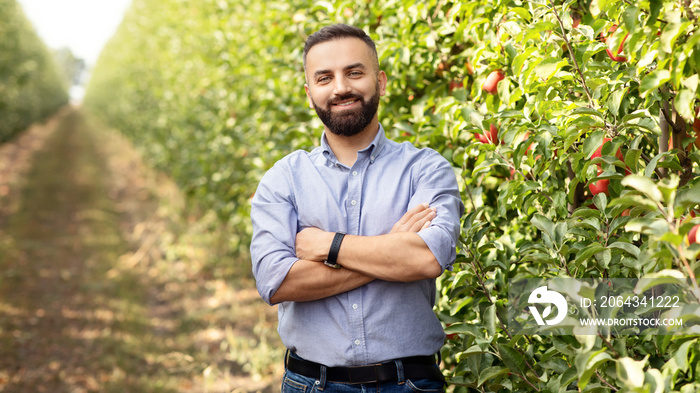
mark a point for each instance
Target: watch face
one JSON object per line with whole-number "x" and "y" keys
{"x": 333, "y": 265}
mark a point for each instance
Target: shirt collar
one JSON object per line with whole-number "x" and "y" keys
{"x": 374, "y": 149}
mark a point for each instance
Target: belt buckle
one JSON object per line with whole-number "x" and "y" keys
{"x": 373, "y": 367}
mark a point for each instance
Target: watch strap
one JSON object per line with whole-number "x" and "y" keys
{"x": 335, "y": 249}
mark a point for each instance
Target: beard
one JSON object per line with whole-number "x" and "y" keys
{"x": 352, "y": 121}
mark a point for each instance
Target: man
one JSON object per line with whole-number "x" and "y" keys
{"x": 349, "y": 238}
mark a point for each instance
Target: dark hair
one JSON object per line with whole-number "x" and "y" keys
{"x": 335, "y": 32}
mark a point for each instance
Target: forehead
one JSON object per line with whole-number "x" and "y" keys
{"x": 337, "y": 54}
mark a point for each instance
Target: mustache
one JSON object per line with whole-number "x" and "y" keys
{"x": 345, "y": 97}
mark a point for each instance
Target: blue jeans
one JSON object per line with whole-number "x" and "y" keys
{"x": 295, "y": 383}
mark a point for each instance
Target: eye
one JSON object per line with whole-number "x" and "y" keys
{"x": 323, "y": 79}
{"x": 355, "y": 73}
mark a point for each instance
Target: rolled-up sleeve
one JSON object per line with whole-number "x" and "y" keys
{"x": 274, "y": 218}
{"x": 437, "y": 185}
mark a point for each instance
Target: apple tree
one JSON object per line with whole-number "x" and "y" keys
{"x": 31, "y": 88}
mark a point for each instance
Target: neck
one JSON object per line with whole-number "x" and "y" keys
{"x": 345, "y": 148}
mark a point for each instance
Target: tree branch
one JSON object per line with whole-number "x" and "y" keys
{"x": 606, "y": 382}
{"x": 607, "y": 344}
{"x": 526, "y": 380}
{"x": 664, "y": 122}
{"x": 572, "y": 56}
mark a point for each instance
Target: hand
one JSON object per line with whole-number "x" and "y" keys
{"x": 313, "y": 244}
{"x": 415, "y": 220}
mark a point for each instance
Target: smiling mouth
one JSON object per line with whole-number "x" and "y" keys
{"x": 346, "y": 102}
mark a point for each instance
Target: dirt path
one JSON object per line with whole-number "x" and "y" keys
{"x": 89, "y": 299}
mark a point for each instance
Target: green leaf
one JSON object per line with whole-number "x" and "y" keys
{"x": 684, "y": 104}
{"x": 651, "y": 280}
{"x": 511, "y": 358}
{"x": 655, "y": 8}
{"x": 544, "y": 224}
{"x": 629, "y": 17}
{"x": 681, "y": 355}
{"x": 588, "y": 252}
{"x": 688, "y": 198}
{"x": 631, "y": 372}
{"x": 643, "y": 185}
{"x": 587, "y": 364}
{"x": 647, "y": 226}
{"x": 521, "y": 12}
{"x": 627, "y": 247}
{"x": 490, "y": 373}
{"x": 593, "y": 142}
{"x": 615, "y": 100}
{"x": 651, "y": 167}
{"x": 548, "y": 67}
{"x": 582, "y": 110}
{"x": 465, "y": 328}
{"x": 669, "y": 35}
{"x": 490, "y": 319}
{"x": 653, "y": 80}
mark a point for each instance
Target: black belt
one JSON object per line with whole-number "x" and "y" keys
{"x": 415, "y": 367}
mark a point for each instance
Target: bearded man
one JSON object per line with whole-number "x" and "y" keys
{"x": 349, "y": 238}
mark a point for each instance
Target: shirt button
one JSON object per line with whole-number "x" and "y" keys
{"x": 354, "y": 173}
{"x": 354, "y": 306}
{"x": 353, "y": 202}
{"x": 357, "y": 342}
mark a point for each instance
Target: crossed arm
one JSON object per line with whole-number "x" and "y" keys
{"x": 400, "y": 255}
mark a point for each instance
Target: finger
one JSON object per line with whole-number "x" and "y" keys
{"x": 426, "y": 225}
{"x": 417, "y": 220}
{"x": 412, "y": 212}
{"x": 417, "y": 225}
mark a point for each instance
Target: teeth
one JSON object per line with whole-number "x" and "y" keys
{"x": 346, "y": 103}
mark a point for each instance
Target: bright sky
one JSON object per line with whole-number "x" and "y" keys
{"x": 82, "y": 25}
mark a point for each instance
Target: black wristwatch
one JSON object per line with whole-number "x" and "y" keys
{"x": 333, "y": 252}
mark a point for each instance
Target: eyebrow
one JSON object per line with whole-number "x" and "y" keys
{"x": 349, "y": 67}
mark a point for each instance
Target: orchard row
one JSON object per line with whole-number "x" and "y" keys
{"x": 31, "y": 88}
{"x": 569, "y": 125}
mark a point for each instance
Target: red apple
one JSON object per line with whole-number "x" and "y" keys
{"x": 618, "y": 154}
{"x": 455, "y": 85}
{"x": 693, "y": 235}
{"x": 490, "y": 137}
{"x": 493, "y": 134}
{"x": 615, "y": 56}
{"x": 491, "y": 83}
{"x": 599, "y": 186}
{"x": 619, "y": 59}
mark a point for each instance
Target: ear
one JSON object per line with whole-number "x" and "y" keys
{"x": 308, "y": 96}
{"x": 382, "y": 80}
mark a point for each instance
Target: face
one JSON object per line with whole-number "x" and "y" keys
{"x": 343, "y": 85}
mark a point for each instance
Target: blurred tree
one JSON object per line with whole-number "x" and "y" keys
{"x": 71, "y": 68}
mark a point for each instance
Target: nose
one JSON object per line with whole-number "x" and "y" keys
{"x": 341, "y": 86}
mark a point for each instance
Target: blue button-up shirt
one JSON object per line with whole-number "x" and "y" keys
{"x": 381, "y": 320}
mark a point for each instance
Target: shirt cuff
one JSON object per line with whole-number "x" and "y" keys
{"x": 440, "y": 244}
